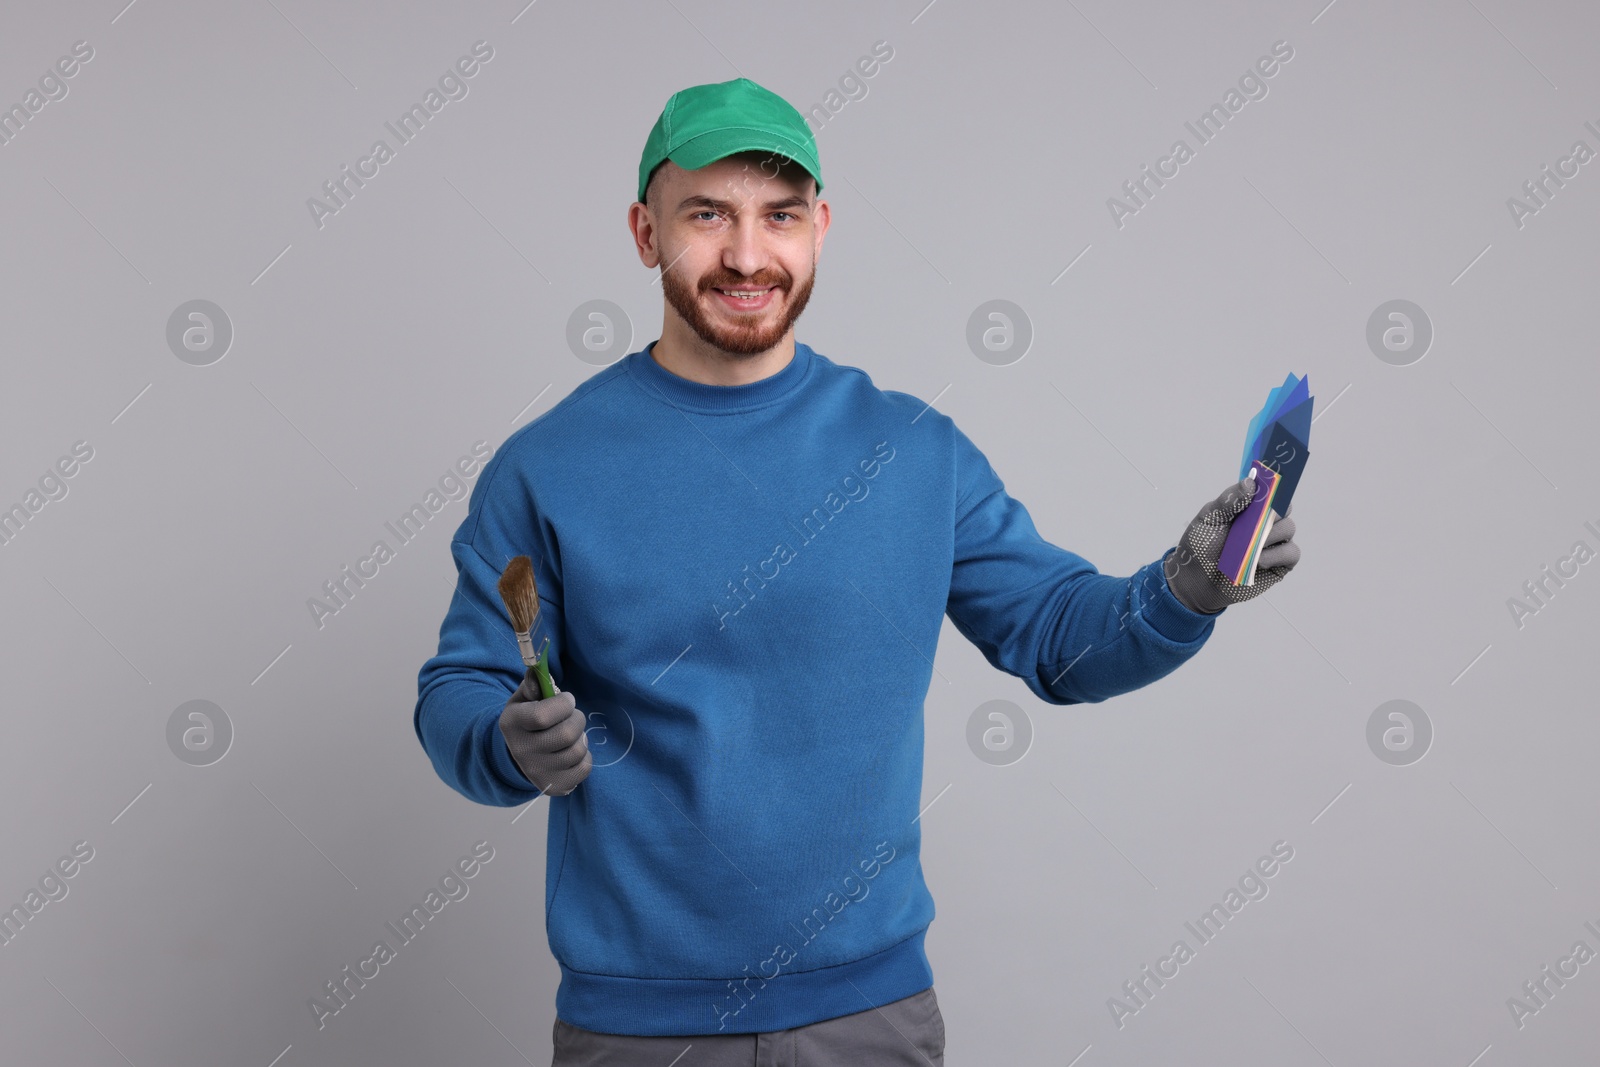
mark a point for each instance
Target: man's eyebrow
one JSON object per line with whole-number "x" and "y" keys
{"x": 713, "y": 204}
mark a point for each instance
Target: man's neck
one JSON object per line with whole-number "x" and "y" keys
{"x": 692, "y": 358}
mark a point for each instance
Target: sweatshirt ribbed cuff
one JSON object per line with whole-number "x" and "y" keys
{"x": 504, "y": 766}
{"x": 1167, "y": 614}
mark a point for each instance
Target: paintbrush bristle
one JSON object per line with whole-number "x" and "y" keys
{"x": 521, "y": 594}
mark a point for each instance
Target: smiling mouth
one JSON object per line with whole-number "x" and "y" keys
{"x": 748, "y": 299}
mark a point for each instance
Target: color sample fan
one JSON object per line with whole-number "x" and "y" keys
{"x": 1275, "y": 454}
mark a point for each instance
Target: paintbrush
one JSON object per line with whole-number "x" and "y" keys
{"x": 521, "y": 596}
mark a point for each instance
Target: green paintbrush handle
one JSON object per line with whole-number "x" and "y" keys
{"x": 541, "y": 669}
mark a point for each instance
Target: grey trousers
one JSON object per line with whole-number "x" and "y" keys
{"x": 903, "y": 1033}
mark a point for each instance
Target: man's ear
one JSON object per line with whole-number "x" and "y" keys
{"x": 642, "y": 225}
{"x": 822, "y": 216}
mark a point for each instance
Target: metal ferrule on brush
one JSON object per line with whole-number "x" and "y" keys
{"x": 525, "y": 643}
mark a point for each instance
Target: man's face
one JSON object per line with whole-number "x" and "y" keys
{"x": 737, "y": 242}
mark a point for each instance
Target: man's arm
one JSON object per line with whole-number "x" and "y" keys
{"x": 462, "y": 690}
{"x": 1047, "y": 615}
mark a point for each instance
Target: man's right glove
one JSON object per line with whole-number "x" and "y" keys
{"x": 1191, "y": 567}
{"x": 546, "y": 738}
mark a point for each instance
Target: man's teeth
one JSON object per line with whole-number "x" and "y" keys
{"x": 745, "y": 294}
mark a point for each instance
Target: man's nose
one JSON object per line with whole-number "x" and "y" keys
{"x": 745, "y": 251}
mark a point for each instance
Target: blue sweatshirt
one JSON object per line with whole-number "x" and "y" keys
{"x": 743, "y": 587}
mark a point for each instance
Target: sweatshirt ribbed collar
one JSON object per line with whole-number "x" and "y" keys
{"x": 661, "y": 383}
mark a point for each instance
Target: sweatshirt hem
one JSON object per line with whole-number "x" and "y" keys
{"x": 745, "y": 1004}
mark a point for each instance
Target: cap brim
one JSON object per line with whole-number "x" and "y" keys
{"x": 718, "y": 144}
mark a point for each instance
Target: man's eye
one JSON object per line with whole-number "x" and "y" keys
{"x": 782, "y": 216}
{"x": 699, "y": 214}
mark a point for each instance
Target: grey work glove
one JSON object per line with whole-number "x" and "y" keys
{"x": 546, "y": 738}
{"x": 1191, "y": 567}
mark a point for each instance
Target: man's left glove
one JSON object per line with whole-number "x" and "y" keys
{"x": 1191, "y": 567}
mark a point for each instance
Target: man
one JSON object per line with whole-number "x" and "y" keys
{"x": 744, "y": 552}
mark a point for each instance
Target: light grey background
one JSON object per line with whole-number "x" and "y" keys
{"x": 431, "y": 312}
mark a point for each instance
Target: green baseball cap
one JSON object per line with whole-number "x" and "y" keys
{"x": 704, "y": 123}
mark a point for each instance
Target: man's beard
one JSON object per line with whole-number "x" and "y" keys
{"x": 744, "y": 339}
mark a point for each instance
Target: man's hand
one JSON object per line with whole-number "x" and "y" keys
{"x": 1191, "y": 567}
{"x": 546, "y": 738}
